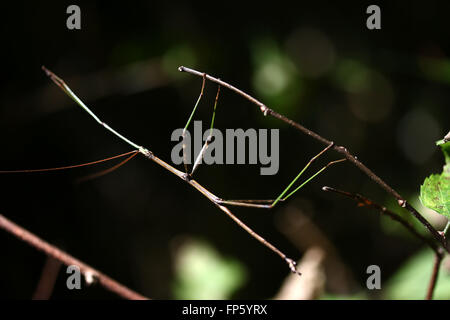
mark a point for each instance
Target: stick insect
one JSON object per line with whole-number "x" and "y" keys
{"x": 186, "y": 175}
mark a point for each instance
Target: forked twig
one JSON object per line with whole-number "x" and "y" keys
{"x": 438, "y": 251}
{"x": 353, "y": 159}
{"x": 67, "y": 259}
{"x": 365, "y": 202}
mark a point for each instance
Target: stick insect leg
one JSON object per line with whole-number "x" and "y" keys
{"x": 301, "y": 172}
{"x": 188, "y": 122}
{"x": 267, "y": 204}
{"x": 264, "y": 204}
{"x": 208, "y": 140}
{"x": 291, "y": 263}
{"x": 310, "y": 178}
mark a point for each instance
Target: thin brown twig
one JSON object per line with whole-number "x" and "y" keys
{"x": 365, "y": 202}
{"x": 434, "y": 276}
{"x": 438, "y": 251}
{"x": 52, "y": 251}
{"x": 353, "y": 159}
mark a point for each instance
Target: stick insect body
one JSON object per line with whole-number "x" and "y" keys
{"x": 188, "y": 176}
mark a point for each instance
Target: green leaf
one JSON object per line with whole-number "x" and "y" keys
{"x": 435, "y": 190}
{"x": 435, "y": 193}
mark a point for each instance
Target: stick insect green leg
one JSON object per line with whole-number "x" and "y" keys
{"x": 188, "y": 122}
{"x": 280, "y": 197}
{"x": 312, "y": 177}
{"x": 267, "y": 204}
{"x": 208, "y": 140}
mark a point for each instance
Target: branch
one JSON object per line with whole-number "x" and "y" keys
{"x": 434, "y": 276}
{"x": 437, "y": 258}
{"x": 67, "y": 259}
{"x": 267, "y": 111}
{"x": 365, "y": 202}
{"x": 438, "y": 252}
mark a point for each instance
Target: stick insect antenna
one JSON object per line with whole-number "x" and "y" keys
{"x": 133, "y": 153}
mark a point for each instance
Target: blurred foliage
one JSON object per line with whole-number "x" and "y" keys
{"x": 370, "y": 93}
{"x": 436, "y": 69}
{"x": 411, "y": 280}
{"x": 352, "y": 75}
{"x": 177, "y": 56}
{"x": 202, "y": 273}
{"x": 276, "y": 79}
{"x": 358, "y": 296}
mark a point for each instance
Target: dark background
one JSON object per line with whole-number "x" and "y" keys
{"x": 383, "y": 94}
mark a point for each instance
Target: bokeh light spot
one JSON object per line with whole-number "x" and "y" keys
{"x": 370, "y": 94}
{"x": 312, "y": 51}
{"x": 416, "y": 135}
{"x": 202, "y": 273}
